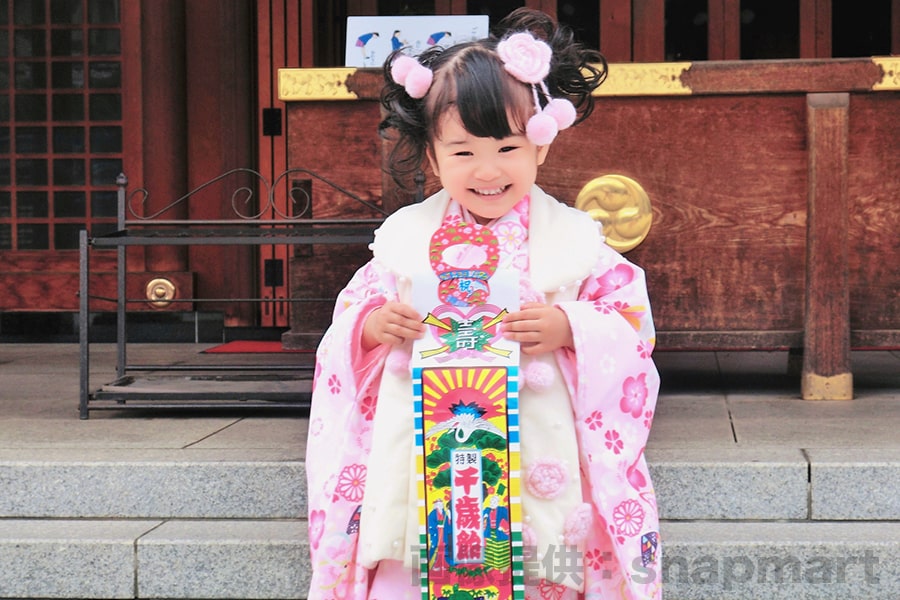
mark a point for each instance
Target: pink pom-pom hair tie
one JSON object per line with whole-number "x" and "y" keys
{"x": 415, "y": 77}
{"x": 528, "y": 59}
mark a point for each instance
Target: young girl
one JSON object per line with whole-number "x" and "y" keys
{"x": 483, "y": 115}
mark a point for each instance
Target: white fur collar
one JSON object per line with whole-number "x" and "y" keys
{"x": 564, "y": 243}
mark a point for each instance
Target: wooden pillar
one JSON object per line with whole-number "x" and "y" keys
{"x": 547, "y": 6}
{"x": 219, "y": 97}
{"x": 826, "y": 359}
{"x": 648, "y": 43}
{"x": 724, "y": 30}
{"x": 362, "y": 7}
{"x": 895, "y": 27}
{"x": 615, "y": 30}
{"x": 450, "y": 7}
{"x": 815, "y": 28}
{"x": 164, "y": 123}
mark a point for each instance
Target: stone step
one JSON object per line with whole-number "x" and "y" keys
{"x": 780, "y": 561}
{"x": 153, "y": 559}
{"x": 776, "y": 483}
{"x": 733, "y": 484}
{"x": 191, "y": 559}
{"x": 152, "y": 484}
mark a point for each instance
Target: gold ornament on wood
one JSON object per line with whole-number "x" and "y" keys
{"x": 621, "y": 205}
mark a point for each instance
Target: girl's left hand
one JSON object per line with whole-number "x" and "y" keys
{"x": 539, "y": 328}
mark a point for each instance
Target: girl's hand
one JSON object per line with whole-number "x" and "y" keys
{"x": 392, "y": 324}
{"x": 539, "y": 328}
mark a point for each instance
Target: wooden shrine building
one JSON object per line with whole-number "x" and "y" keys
{"x": 757, "y": 139}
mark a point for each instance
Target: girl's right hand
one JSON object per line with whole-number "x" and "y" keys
{"x": 392, "y": 324}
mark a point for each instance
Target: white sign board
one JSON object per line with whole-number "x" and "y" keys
{"x": 370, "y": 40}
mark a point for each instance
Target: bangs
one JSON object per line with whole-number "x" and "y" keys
{"x": 490, "y": 102}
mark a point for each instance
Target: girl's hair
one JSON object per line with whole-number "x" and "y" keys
{"x": 470, "y": 77}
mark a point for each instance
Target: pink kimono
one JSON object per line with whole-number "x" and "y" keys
{"x": 608, "y": 387}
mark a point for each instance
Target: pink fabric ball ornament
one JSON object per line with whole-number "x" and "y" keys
{"x": 412, "y": 75}
{"x": 546, "y": 478}
{"x": 397, "y": 362}
{"x": 538, "y": 375}
{"x": 541, "y": 129}
{"x": 418, "y": 81}
{"x": 562, "y": 111}
{"x": 578, "y": 524}
{"x": 529, "y": 539}
{"x": 401, "y": 67}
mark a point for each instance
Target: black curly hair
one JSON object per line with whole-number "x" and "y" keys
{"x": 470, "y": 78}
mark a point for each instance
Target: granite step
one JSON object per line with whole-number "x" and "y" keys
{"x": 720, "y": 560}
{"x": 739, "y": 523}
{"x": 776, "y": 483}
{"x": 151, "y": 484}
{"x": 755, "y": 483}
{"x": 153, "y": 559}
{"x": 191, "y": 559}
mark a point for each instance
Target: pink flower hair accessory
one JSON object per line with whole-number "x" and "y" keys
{"x": 528, "y": 59}
{"x": 415, "y": 77}
{"x": 525, "y": 57}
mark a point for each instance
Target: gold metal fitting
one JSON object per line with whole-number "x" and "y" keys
{"x": 160, "y": 292}
{"x": 621, "y": 205}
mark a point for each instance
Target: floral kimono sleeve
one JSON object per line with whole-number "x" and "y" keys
{"x": 614, "y": 386}
{"x": 340, "y": 429}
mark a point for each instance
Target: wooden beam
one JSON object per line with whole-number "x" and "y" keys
{"x": 648, "y": 28}
{"x": 826, "y": 358}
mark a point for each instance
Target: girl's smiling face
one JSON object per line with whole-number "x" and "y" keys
{"x": 486, "y": 175}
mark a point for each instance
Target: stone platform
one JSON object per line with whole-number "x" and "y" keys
{"x": 763, "y": 495}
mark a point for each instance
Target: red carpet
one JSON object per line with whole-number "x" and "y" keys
{"x": 249, "y": 347}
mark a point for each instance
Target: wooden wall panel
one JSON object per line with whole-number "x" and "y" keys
{"x": 734, "y": 172}
{"x": 874, "y": 213}
{"x": 726, "y": 251}
{"x": 348, "y": 154}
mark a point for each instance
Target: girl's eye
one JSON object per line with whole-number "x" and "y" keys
{"x": 462, "y": 153}
{"x": 508, "y": 148}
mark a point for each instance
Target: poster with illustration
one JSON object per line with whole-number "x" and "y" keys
{"x": 370, "y": 40}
